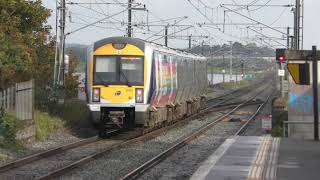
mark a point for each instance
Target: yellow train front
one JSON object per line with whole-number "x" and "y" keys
{"x": 132, "y": 83}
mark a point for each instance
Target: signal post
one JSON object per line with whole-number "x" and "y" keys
{"x": 281, "y": 60}
{"x": 298, "y": 62}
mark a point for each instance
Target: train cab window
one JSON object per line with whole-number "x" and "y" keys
{"x": 132, "y": 68}
{"x": 118, "y": 70}
{"x": 105, "y": 69}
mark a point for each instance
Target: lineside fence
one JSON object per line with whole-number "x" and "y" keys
{"x": 19, "y": 99}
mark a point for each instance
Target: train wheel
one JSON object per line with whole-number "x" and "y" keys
{"x": 102, "y": 133}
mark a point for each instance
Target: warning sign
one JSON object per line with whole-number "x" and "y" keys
{"x": 300, "y": 73}
{"x": 281, "y": 72}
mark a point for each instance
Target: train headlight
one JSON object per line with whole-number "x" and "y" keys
{"x": 139, "y": 95}
{"x": 96, "y": 95}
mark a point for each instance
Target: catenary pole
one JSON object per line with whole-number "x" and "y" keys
{"x": 129, "y": 18}
{"x": 315, "y": 92}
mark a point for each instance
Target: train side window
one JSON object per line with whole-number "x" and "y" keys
{"x": 153, "y": 75}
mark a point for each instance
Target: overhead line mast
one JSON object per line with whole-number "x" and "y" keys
{"x": 130, "y": 8}
{"x": 129, "y": 18}
{"x": 60, "y": 46}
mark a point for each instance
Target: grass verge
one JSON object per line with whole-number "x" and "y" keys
{"x": 46, "y": 124}
{"x": 236, "y": 85}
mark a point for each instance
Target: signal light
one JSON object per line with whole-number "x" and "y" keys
{"x": 281, "y": 58}
{"x": 96, "y": 95}
{"x": 280, "y": 55}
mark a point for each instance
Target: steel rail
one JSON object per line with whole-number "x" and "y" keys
{"x": 160, "y": 157}
{"x": 232, "y": 93}
{"x": 34, "y": 157}
{"x": 245, "y": 125}
{"x": 82, "y": 161}
{"x": 87, "y": 159}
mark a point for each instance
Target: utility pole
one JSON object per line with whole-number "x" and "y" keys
{"x": 166, "y": 36}
{"x": 236, "y": 72}
{"x": 242, "y": 69}
{"x": 288, "y": 37}
{"x": 62, "y": 23}
{"x": 132, "y": 7}
{"x": 231, "y": 54}
{"x": 129, "y": 18}
{"x": 302, "y": 24}
{"x": 292, "y": 42}
{"x": 56, "y": 60}
{"x": 211, "y": 69}
{"x": 190, "y": 41}
{"x": 297, "y": 25}
{"x": 224, "y": 68}
{"x": 224, "y": 20}
{"x": 202, "y": 52}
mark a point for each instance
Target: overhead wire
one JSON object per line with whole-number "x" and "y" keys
{"x": 141, "y": 25}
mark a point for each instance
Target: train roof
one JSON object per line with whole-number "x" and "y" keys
{"x": 141, "y": 44}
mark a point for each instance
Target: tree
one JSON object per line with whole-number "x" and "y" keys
{"x": 24, "y": 52}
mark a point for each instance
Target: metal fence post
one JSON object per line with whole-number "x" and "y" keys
{"x": 1, "y": 92}
{"x": 284, "y": 129}
{"x": 33, "y": 97}
{"x": 5, "y": 99}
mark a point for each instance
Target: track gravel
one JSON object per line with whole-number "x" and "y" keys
{"x": 54, "y": 140}
{"x": 186, "y": 161}
{"x": 117, "y": 163}
{"x": 38, "y": 168}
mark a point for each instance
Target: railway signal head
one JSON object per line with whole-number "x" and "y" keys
{"x": 280, "y": 55}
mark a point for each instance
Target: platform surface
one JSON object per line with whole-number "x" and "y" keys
{"x": 256, "y": 157}
{"x": 299, "y": 160}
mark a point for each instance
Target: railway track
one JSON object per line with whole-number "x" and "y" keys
{"x": 115, "y": 143}
{"x": 47, "y": 153}
{"x": 171, "y": 150}
{"x": 34, "y": 165}
{"x": 48, "y": 157}
{"x": 222, "y": 99}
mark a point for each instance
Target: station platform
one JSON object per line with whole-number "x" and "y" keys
{"x": 262, "y": 157}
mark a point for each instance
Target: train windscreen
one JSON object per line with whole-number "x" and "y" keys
{"x": 118, "y": 70}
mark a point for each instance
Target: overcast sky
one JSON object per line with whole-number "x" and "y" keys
{"x": 160, "y": 10}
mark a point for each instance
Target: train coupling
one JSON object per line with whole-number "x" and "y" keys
{"x": 117, "y": 117}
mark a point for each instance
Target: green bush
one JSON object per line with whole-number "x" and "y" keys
{"x": 279, "y": 117}
{"x": 74, "y": 113}
{"x": 9, "y": 126}
{"x": 277, "y": 131}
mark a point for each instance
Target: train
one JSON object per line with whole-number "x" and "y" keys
{"x": 134, "y": 83}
